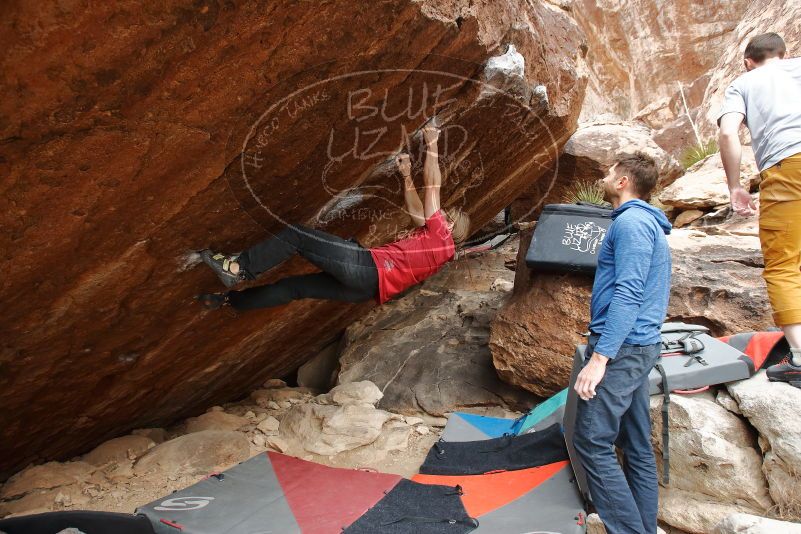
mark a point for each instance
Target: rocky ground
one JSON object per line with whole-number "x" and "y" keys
{"x": 341, "y": 428}
{"x": 444, "y": 321}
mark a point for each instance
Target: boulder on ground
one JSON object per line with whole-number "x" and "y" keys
{"x": 215, "y": 420}
{"x": 773, "y": 408}
{"x": 329, "y": 430}
{"x": 122, "y": 449}
{"x": 752, "y": 524}
{"x": 279, "y": 395}
{"x": 686, "y": 217}
{"x": 101, "y": 131}
{"x": 704, "y": 184}
{"x": 534, "y": 336}
{"x": 45, "y": 476}
{"x": 269, "y": 425}
{"x": 61, "y": 498}
{"x": 362, "y": 392}
{"x": 158, "y": 435}
{"x": 196, "y": 453}
{"x": 694, "y": 513}
{"x": 717, "y": 282}
{"x": 713, "y": 453}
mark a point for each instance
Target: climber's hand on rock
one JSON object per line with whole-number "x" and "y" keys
{"x": 741, "y": 202}
{"x": 430, "y": 134}
{"x": 589, "y": 377}
{"x": 404, "y": 165}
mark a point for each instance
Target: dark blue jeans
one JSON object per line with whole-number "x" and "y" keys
{"x": 626, "y": 499}
{"x": 348, "y": 272}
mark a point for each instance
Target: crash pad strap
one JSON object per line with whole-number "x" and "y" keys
{"x": 665, "y": 425}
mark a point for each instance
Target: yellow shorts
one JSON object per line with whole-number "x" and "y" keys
{"x": 780, "y": 235}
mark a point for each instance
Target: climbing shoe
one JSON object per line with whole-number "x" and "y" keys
{"x": 785, "y": 371}
{"x": 221, "y": 265}
{"x": 213, "y": 301}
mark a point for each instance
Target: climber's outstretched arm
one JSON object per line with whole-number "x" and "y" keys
{"x": 414, "y": 206}
{"x": 432, "y": 177}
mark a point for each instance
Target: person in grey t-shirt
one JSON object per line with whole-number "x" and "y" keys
{"x": 768, "y": 99}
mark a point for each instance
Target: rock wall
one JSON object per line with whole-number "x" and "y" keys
{"x": 762, "y": 16}
{"x": 132, "y": 134}
{"x": 638, "y": 50}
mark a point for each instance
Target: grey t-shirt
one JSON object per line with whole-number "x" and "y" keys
{"x": 770, "y": 98}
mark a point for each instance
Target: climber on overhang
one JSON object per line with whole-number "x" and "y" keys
{"x": 350, "y": 272}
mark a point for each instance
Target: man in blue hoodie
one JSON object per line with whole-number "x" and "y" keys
{"x": 629, "y": 303}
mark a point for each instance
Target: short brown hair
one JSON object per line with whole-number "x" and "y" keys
{"x": 641, "y": 169}
{"x": 461, "y": 225}
{"x": 765, "y": 46}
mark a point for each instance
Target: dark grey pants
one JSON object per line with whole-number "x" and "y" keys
{"x": 626, "y": 499}
{"x": 349, "y": 272}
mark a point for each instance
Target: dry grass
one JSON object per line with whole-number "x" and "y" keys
{"x": 696, "y": 153}
{"x": 585, "y": 191}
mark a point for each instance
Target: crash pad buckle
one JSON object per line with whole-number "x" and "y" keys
{"x": 691, "y": 345}
{"x": 696, "y": 358}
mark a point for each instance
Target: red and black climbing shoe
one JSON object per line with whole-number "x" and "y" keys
{"x": 785, "y": 371}
{"x": 213, "y": 301}
{"x": 221, "y": 265}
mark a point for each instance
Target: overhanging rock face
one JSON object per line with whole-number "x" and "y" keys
{"x": 132, "y": 134}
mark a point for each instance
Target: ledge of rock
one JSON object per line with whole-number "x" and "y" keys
{"x": 704, "y": 185}
{"x": 716, "y": 282}
{"x": 132, "y": 135}
{"x": 752, "y": 524}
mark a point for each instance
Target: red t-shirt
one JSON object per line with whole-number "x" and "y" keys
{"x": 411, "y": 260}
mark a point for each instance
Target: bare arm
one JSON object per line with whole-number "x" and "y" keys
{"x": 731, "y": 155}
{"x": 432, "y": 177}
{"x": 414, "y": 206}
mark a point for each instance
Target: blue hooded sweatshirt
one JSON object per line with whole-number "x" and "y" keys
{"x": 632, "y": 282}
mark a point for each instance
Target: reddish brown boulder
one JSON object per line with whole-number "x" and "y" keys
{"x": 131, "y": 134}
{"x": 534, "y": 335}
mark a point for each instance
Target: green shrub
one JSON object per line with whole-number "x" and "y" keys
{"x": 696, "y": 153}
{"x": 585, "y": 191}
